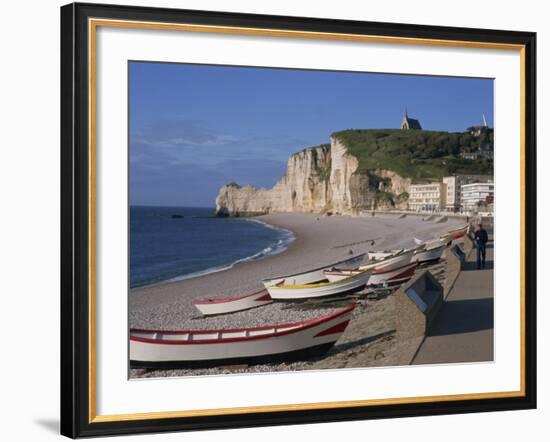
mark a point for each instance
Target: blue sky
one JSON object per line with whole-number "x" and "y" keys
{"x": 194, "y": 128}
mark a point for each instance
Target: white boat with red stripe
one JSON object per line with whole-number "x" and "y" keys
{"x": 386, "y": 254}
{"x": 352, "y": 284}
{"x": 378, "y": 276}
{"x": 391, "y": 262}
{"x": 220, "y": 306}
{"x": 446, "y": 238}
{"x": 282, "y": 342}
{"x": 315, "y": 275}
{"x": 433, "y": 252}
{"x": 454, "y": 234}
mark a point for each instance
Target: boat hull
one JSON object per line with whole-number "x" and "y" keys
{"x": 303, "y": 339}
{"x": 428, "y": 255}
{"x": 454, "y": 234}
{"x": 290, "y": 356}
{"x": 390, "y": 263}
{"x": 315, "y": 275}
{"x": 393, "y": 276}
{"x": 222, "y": 306}
{"x": 376, "y": 256}
{"x": 344, "y": 286}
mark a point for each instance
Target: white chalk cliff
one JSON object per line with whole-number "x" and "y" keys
{"x": 320, "y": 179}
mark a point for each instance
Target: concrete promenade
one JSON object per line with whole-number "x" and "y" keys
{"x": 463, "y": 330}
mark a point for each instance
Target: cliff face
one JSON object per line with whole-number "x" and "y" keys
{"x": 320, "y": 179}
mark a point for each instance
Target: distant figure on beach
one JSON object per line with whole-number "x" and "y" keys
{"x": 481, "y": 238}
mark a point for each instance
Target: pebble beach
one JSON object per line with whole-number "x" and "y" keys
{"x": 319, "y": 240}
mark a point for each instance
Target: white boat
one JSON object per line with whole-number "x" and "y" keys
{"x": 446, "y": 239}
{"x": 391, "y": 262}
{"x": 219, "y": 306}
{"x": 378, "y": 277}
{"x": 315, "y": 275}
{"x": 383, "y": 254}
{"x": 294, "y": 341}
{"x": 354, "y": 283}
{"x": 431, "y": 253}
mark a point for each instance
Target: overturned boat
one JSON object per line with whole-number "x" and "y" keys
{"x": 378, "y": 277}
{"x": 220, "y": 306}
{"x": 315, "y": 275}
{"x": 198, "y": 348}
{"x": 351, "y": 284}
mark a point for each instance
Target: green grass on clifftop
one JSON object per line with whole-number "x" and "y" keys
{"x": 416, "y": 154}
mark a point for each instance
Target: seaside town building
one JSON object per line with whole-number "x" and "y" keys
{"x": 474, "y": 195}
{"x": 427, "y": 197}
{"x": 410, "y": 123}
{"x": 453, "y": 188}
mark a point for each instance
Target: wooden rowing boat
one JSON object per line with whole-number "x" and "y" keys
{"x": 391, "y": 262}
{"x": 378, "y": 277}
{"x": 432, "y": 253}
{"x": 219, "y": 306}
{"x": 352, "y": 284}
{"x": 315, "y": 275}
{"x": 382, "y": 254}
{"x": 451, "y": 235}
{"x": 282, "y": 342}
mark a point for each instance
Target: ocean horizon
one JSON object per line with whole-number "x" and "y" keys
{"x": 171, "y": 243}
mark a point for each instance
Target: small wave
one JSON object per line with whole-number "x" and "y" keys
{"x": 274, "y": 249}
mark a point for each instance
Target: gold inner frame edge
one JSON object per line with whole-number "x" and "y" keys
{"x": 93, "y": 24}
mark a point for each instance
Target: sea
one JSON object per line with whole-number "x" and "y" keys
{"x": 177, "y": 243}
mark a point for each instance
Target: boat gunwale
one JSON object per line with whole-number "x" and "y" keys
{"x": 319, "y": 284}
{"x": 374, "y": 272}
{"x": 384, "y": 262}
{"x": 316, "y": 269}
{"x": 297, "y": 327}
{"x": 440, "y": 246}
{"x": 228, "y": 299}
{"x": 381, "y": 272}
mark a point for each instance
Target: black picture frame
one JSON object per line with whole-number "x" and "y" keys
{"x": 76, "y": 403}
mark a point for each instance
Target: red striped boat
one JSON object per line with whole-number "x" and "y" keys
{"x": 220, "y": 306}
{"x": 429, "y": 254}
{"x": 282, "y": 342}
{"x": 379, "y": 276}
{"x": 454, "y": 234}
{"x": 314, "y": 276}
{"x": 391, "y": 262}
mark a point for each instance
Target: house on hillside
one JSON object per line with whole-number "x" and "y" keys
{"x": 477, "y": 130}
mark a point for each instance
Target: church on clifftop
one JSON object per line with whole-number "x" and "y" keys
{"x": 410, "y": 123}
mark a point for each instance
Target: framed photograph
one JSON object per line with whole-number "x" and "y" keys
{"x": 274, "y": 220}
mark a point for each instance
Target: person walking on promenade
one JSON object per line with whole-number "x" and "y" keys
{"x": 481, "y": 239}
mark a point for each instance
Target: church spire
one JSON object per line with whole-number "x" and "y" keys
{"x": 484, "y": 121}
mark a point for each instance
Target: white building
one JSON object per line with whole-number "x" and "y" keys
{"x": 427, "y": 197}
{"x": 453, "y": 188}
{"x": 473, "y": 195}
